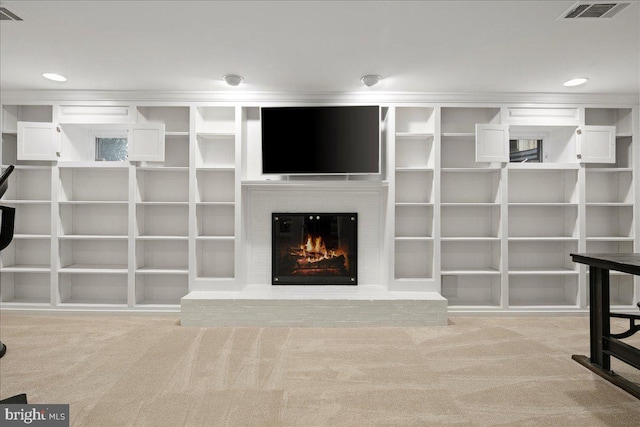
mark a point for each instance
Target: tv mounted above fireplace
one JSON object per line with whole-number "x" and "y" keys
{"x": 321, "y": 140}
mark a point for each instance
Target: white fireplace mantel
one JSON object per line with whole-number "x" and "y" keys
{"x": 256, "y": 302}
{"x": 262, "y": 198}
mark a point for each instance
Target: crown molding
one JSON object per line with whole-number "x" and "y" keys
{"x": 264, "y": 98}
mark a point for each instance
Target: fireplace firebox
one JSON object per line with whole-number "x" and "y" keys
{"x": 314, "y": 248}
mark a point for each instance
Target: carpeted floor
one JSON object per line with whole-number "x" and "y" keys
{"x": 150, "y": 371}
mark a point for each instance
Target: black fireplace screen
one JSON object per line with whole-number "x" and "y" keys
{"x": 314, "y": 248}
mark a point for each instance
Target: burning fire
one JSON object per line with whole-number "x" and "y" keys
{"x": 313, "y": 258}
{"x": 314, "y": 250}
{"x": 313, "y": 255}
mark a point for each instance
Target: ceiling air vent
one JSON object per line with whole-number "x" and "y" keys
{"x": 584, "y": 9}
{"x": 7, "y": 15}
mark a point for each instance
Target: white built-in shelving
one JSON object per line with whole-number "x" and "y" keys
{"x": 25, "y": 266}
{"x": 543, "y": 232}
{"x": 471, "y": 216}
{"x": 543, "y": 222}
{"x": 506, "y": 240}
{"x": 92, "y": 233}
{"x": 161, "y": 213}
{"x": 216, "y": 193}
{"x": 413, "y": 172}
{"x": 489, "y": 235}
{"x": 609, "y": 198}
{"x": 100, "y": 233}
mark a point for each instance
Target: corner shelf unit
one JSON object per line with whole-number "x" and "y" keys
{"x": 489, "y": 236}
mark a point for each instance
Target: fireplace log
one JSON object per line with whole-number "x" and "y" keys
{"x": 324, "y": 264}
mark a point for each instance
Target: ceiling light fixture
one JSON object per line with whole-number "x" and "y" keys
{"x": 575, "y": 82}
{"x": 232, "y": 79}
{"x": 370, "y": 80}
{"x": 54, "y": 77}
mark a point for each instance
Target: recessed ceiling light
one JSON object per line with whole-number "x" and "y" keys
{"x": 54, "y": 77}
{"x": 232, "y": 79}
{"x": 370, "y": 80}
{"x": 575, "y": 82}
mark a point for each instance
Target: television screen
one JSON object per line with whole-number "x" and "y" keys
{"x": 321, "y": 140}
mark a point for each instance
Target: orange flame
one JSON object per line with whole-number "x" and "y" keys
{"x": 315, "y": 250}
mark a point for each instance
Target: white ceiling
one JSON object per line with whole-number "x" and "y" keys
{"x": 318, "y": 46}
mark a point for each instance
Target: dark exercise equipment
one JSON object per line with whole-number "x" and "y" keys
{"x": 8, "y": 221}
{"x": 6, "y": 235}
{"x": 18, "y": 399}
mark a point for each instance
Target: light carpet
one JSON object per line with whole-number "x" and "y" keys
{"x": 150, "y": 371}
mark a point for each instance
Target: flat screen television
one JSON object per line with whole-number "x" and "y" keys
{"x": 321, "y": 140}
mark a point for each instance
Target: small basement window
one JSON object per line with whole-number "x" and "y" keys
{"x": 525, "y": 150}
{"x": 111, "y": 147}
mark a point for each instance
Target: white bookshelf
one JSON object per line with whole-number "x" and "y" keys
{"x": 92, "y": 227}
{"x": 216, "y": 193}
{"x": 25, "y": 265}
{"x": 162, "y": 255}
{"x": 216, "y": 151}
{"x": 472, "y": 289}
{"x": 87, "y": 184}
{"x": 106, "y": 289}
{"x": 610, "y": 190}
{"x": 543, "y": 230}
{"x": 160, "y": 289}
{"x": 470, "y": 186}
{"x": 543, "y": 186}
{"x": 27, "y": 255}
{"x": 177, "y": 131}
{"x": 413, "y": 172}
{"x": 162, "y": 185}
{"x": 414, "y": 221}
{"x": 12, "y": 114}
{"x": 458, "y": 146}
{"x": 160, "y": 258}
{"x": 471, "y": 228}
{"x": 34, "y": 220}
{"x": 610, "y": 203}
{"x": 28, "y": 288}
{"x": 162, "y": 220}
{"x": 543, "y": 290}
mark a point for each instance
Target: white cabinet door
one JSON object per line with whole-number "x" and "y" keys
{"x": 492, "y": 143}
{"x": 37, "y": 141}
{"x": 146, "y": 142}
{"x": 596, "y": 144}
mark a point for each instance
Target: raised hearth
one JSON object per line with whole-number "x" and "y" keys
{"x": 314, "y": 306}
